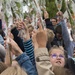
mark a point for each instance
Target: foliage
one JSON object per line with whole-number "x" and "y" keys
{"x": 6, "y": 18}
{"x": 13, "y": 13}
{"x": 69, "y": 6}
{"x": 63, "y": 6}
{"x": 71, "y": 12}
{"x": 52, "y": 9}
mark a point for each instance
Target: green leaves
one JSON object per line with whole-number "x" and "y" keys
{"x": 18, "y": 4}
{"x": 63, "y": 9}
{"x": 52, "y": 9}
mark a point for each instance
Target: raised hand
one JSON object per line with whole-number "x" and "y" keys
{"x": 14, "y": 47}
{"x": 59, "y": 13}
{"x": 39, "y": 36}
{"x": 23, "y": 31}
{"x": 46, "y": 15}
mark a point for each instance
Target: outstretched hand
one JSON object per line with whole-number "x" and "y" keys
{"x": 39, "y": 36}
{"x": 23, "y": 31}
{"x": 46, "y": 15}
{"x": 14, "y": 47}
{"x": 59, "y": 13}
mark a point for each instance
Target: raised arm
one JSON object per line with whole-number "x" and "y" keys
{"x": 43, "y": 64}
{"x": 22, "y": 59}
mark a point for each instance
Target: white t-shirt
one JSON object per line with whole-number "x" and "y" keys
{"x": 69, "y": 31}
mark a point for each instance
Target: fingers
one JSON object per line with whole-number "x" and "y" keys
{"x": 46, "y": 15}
{"x": 40, "y": 25}
{"x": 6, "y": 42}
{"x": 34, "y": 33}
{"x": 24, "y": 26}
{"x": 59, "y": 13}
{"x": 21, "y": 25}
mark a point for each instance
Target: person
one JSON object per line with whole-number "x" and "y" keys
{"x": 65, "y": 40}
{"x": 57, "y": 56}
{"x": 17, "y": 39}
{"x": 22, "y": 58}
{"x": 70, "y": 65}
{"x": 54, "y": 22}
{"x": 47, "y": 21}
{"x": 58, "y": 33}
{"x": 41, "y": 70}
{"x": 68, "y": 46}
{"x": 56, "y": 29}
{"x": 70, "y": 31}
{"x": 43, "y": 63}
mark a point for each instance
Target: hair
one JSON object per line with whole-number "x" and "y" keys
{"x": 50, "y": 35}
{"x": 2, "y": 67}
{"x": 58, "y": 29}
{"x": 55, "y": 18}
{"x": 58, "y": 48}
{"x": 15, "y": 70}
{"x": 62, "y": 71}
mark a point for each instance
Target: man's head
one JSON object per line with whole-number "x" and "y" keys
{"x": 54, "y": 21}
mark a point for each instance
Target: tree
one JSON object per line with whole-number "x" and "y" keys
{"x": 52, "y": 9}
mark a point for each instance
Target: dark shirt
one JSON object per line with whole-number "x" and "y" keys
{"x": 0, "y": 24}
{"x": 17, "y": 39}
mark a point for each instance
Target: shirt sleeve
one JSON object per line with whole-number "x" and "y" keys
{"x": 29, "y": 49}
{"x": 43, "y": 63}
{"x": 26, "y": 64}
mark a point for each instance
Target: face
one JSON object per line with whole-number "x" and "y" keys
{"x": 57, "y": 58}
{"x": 74, "y": 53}
{"x": 54, "y": 22}
{"x": 30, "y": 30}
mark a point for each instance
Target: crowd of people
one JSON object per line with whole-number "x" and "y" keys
{"x": 46, "y": 50}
